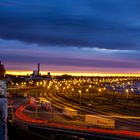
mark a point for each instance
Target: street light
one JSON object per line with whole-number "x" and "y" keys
{"x": 89, "y": 86}
{"x": 127, "y": 93}
{"x": 80, "y": 101}
{"x": 87, "y": 90}
{"x": 99, "y": 89}
{"x": 132, "y": 89}
{"x": 36, "y": 109}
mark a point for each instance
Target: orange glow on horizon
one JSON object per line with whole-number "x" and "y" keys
{"x": 20, "y": 72}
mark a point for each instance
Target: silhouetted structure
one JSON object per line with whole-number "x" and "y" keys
{"x": 36, "y": 75}
{"x": 38, "y": 69}
{"x": 2, "y": 70}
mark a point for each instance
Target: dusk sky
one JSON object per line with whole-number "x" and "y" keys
{"x": 83, "y": 36}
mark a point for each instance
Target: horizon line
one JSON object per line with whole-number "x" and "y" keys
{"x": 54, "y": 73}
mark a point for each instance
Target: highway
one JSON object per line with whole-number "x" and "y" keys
{"x": 21, "y": 115}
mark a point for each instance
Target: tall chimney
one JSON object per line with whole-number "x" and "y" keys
{"x": 38, "y": 68}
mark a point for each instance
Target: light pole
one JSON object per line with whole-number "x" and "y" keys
{"x": 99, "y": 90}
{"x": 132, "y": 90}
{"x": 87, "y": 91}
{"x": 90, "y": 91}
{"x": 127, "y": 94}
{"x": 36, "y": 105}
{"x": 72, "y": 93}
{"x": 80, "y": 101}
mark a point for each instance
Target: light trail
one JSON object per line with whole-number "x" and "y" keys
{"x": 20, "y": 115}
{"x": 23, "y": 117}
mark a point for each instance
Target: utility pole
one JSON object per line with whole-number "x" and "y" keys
{"x": 80, "y": 101}
{"x": 36, "y": 110}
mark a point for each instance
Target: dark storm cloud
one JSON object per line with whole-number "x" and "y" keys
{"x": 112, "y": 24}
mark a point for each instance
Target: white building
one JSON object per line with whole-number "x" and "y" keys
{"x": 3, "y": 111}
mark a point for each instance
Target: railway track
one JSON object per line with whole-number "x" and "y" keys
{"x": 59, "y": 101}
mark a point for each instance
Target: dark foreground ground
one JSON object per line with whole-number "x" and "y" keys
{"x": 16, "y": 133}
